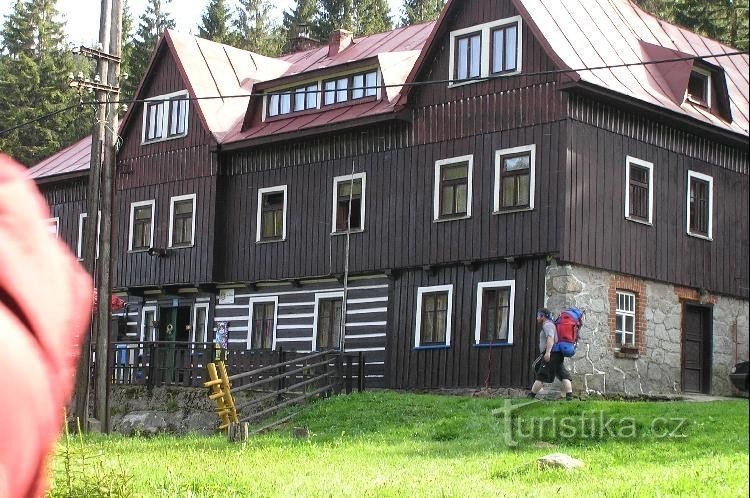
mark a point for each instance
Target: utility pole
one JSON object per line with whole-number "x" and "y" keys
{"x": 96, "y": 250}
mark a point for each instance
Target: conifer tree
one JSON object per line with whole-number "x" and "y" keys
{"x": 416, "y": 11}
{"x": 254, "y": 29}
{"x": 371, "y": 16}
{"x": 303, "y": 14}
{"x": 154, "y": 21}
{"x": 216, "y": 22}
{"x": 333, "y": 15}
{"x": 34, "y": 81}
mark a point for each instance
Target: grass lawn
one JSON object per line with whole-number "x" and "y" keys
{"x": 392, "y": 444}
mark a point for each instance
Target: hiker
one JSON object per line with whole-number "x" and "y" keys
{"x": 45, "y": 305}
{"x": 549, "y": 364}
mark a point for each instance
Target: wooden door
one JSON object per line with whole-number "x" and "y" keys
{"x": 696, "y": 349}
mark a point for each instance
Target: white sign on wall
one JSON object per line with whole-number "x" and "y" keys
{"x": 226, "y": 296}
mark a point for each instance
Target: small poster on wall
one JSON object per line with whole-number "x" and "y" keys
{"x": 226, "y": 296}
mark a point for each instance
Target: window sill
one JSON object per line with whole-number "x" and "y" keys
{"x": 165, "y": 139}
{"x": 436, "y": 346}
{"x": 270, "y": 241}
{"x": 493, "y": 344}
{"x": 510, "y": 211}
{"x": 344, "y": 232}
{"x": 699, "y": 236}
{"x": 639, "y": 221}
{"x": 136, "y": 251}
{"x": 478, "y": 79}
{"x": 182, "y": 246}
{"x": 453, "y": 218}
{"x": 627, "y": 354}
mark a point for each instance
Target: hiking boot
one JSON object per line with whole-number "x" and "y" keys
{"x": 568, "y": 396}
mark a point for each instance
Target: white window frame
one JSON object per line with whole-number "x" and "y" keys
{"x": 172, "y": 201}
{"x": 54, "y": 222}
{"x": 531, "y": 149}
{"x": 318, "y": 297}
{"x": 133, "y": 206}
{"x": 448, "y": 320}
{"x": 258, "y": 217}
{"x": 203, "y": 333}
{"x": 81, "y": 217}
{"x": 436, "y": 189}
{"x": 165, "y": 117}
{"x": 346, "y": 178}
{"x": 144, "y": 325}
{"x": 710, "y": 180}
{"x": 251, "y": 306}
{"x": 709, "y": 84}
{"x": 496, "y": 284}
{"x": 625, "y": 313}
{"x": 484, "y": 61}
{"x": 650, "y": 167}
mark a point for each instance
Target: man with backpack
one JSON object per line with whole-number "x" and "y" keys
{"x": 550, "y": 363}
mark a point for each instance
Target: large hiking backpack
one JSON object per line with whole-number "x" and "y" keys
{"x": 568, "y": 324}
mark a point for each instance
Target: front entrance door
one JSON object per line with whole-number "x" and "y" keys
{"x": 173, "y": 323}
{"x": 696, "y": 349}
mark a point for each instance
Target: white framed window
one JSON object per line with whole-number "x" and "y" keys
{"x": 479, "y": 51}
{"x": 639, "y": 190}
{"x": 148, "y": 330}
{"x": 271, "y": 215}
{"x": 453, "y": 186}
{"x": 53, "y": 226}
{"x": 263, "y": 319}
{"x": 182, "y": 220}
{"x": 434, "y": 313}
{"x": 348, "y": 211}
{"x": 625, "y": 319}
{"x": 515, "y": 173}
{"x": 141, "y": 235}
{"x": 165, "y": 117}
{"x": 495, "y": 312}
{"x": 699, "y": 87}
{"x": 328, "y": 323}
{"x": 199, "y": 332}
{"x": 82, "y": 220}
{"x": 700, "y": 200}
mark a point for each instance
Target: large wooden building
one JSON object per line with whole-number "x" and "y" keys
{"x": 417, "y": 195}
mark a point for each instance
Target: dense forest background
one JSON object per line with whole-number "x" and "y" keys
{"x": 36, "y": 62}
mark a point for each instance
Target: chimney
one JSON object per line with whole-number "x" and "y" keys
{"x": 303, "y": 41}
{"x": 338, "y": 42}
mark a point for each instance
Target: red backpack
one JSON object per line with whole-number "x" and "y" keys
{"x": 568, "y": 323}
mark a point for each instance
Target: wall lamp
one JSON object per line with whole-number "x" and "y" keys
{"x": 157, "y": 252}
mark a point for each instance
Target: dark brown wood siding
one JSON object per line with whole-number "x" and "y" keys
{"x": 159, "y": 171}
{"x": 597, "y": 233}
{"x": 399, "y": 228}
{"x": 66, "y": 201}
{"x": 463, "y": 364}
{"x": 534, "y": 60}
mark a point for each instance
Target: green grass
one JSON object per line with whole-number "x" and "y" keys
{"x": 390, "y": 444}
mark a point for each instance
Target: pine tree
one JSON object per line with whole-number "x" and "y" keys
{"x": 34, "y": 81}
{"x": 216, "y": 22}
{"x": 303, "y": 14}
{"x": 154, "y": 21}
{"x": 333, "y": 15}
{"x": 416, "y": 11}
{"x": 371, "y": 16}
{"x": 126, "y": 56}
{"x": 254, "y": 30}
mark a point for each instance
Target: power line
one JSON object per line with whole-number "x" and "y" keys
{"x": 285, "y": 91}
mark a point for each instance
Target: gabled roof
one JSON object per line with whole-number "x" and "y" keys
{"x": 579, "y": 34}
{"x": 73, "y": 159}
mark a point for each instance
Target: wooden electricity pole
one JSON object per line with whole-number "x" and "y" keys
{"x": 96, "y": 247}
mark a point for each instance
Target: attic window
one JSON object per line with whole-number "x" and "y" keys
{"x": 352, "y": 87}
{"x": 699, "y": 87}
{"x": 295, "y": 99}
{"x": 165, "y": 117}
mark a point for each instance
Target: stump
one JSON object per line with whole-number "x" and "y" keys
{"x": 238, "y": 433}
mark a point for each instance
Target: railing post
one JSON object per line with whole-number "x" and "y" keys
{"x": 349, "y": 374}
{"x": 151, "y": 366}
{"x": 361, "y": 372}
{"x": 338, "y": 372}
{"x": 281, "y": 383}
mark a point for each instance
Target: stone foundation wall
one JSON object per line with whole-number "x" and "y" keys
{"x": 654, "y": 366}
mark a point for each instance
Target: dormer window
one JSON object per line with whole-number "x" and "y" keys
{"x": 295, "y": 99}
{"x": 485, "y": 50}
{"x": 699, "y": 87}
{"x": 352, "y": 87}
{"x": 165, "y": 117}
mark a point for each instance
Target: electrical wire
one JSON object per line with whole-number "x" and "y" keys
{"x": 394, "y": 85}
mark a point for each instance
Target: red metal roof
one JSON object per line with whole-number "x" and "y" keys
{"x": 71, "y": 159}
